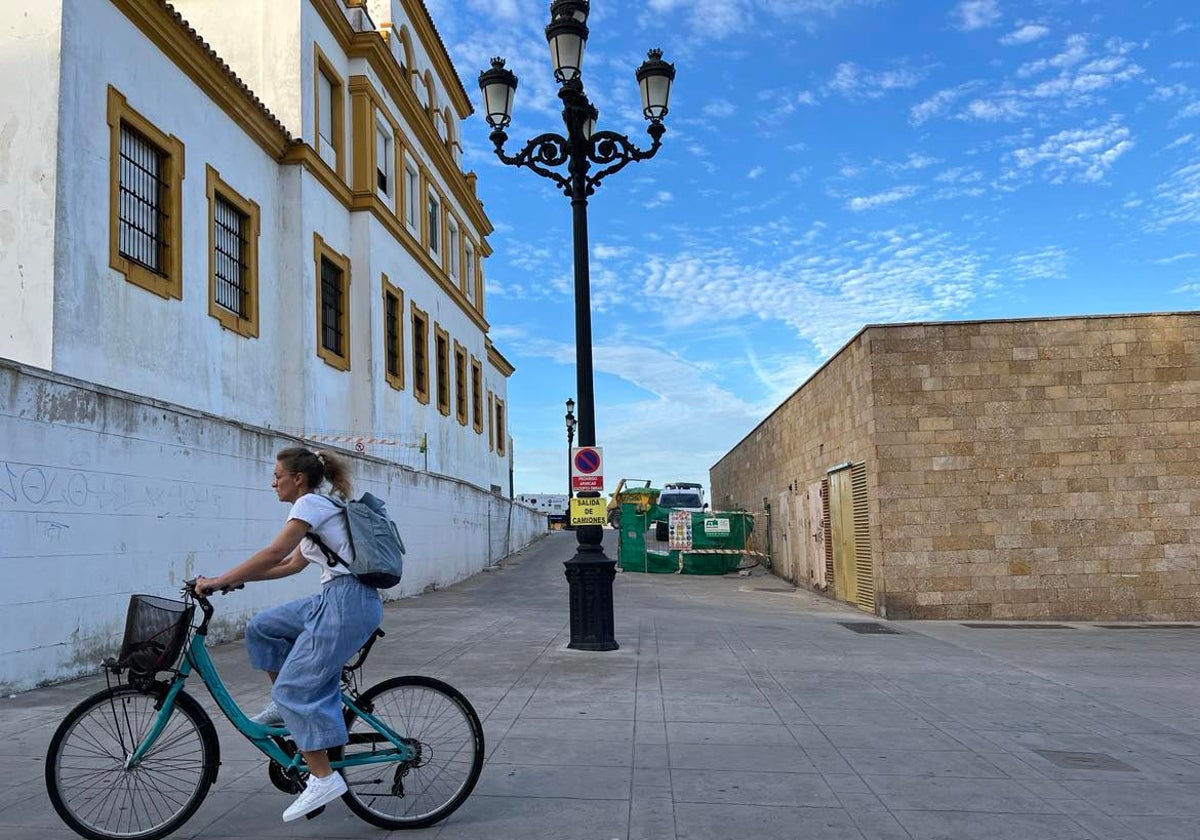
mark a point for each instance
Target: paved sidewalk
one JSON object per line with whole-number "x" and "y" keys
{"x": 738, "y": 708}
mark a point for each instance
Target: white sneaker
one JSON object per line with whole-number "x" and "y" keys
{"x": 269, "y": 716}
{"x": 318, "y": 793}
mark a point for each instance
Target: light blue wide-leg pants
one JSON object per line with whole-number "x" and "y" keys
{"x": 307, "y": 642}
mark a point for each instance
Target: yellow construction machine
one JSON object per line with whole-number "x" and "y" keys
{"x": 631, "y": 491}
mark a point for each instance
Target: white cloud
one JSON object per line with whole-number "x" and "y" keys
{"x": 1192, "y": 110}
{"x": 660, "y": 198}
{"x": 1188, "y": 255}
{"x": 1181, "y": 141}
{"x": 936, "y": 105}
{"x": 1049, "y": 263}
{"x": 1177, "y": 198}
{"x": 806, "y": 97}
{"x": 1082, "y": 154}
{"x": 756, "y": 172}
{"x": 610, "y": 252}
{"x": 970, "y": 15}
{"x": 1025, "y": 34}
{"x": 854, "y": 82}
{"x": 828, "y": 289}
{"x": 719, "y": 108}
{"x": 870, "y": 202}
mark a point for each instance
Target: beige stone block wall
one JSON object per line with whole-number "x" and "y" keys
{"x": 826, "y": 422}
{"x": 1042, "y": 469}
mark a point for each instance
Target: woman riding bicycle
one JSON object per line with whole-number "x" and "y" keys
{"x": 303, "y": 644}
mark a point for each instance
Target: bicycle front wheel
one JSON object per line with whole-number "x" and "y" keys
{"x": 437, "y": 721}
{"x": 101, "y": 798}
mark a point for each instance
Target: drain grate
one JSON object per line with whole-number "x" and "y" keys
{"x": 981, "y": 625}
{"x": 869, "y": 627}
{"x": 1086, "y": 761}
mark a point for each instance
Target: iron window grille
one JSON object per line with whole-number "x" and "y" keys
{"x": 391, "y": 329}
{"x": 333, "y": 306}
{"x": 421, "y": 357}
{"x": 231, "y": 265}
{"x": 142, "y": 216}
{"x": 443, "y": 374}
{"x": 460, "y": 385}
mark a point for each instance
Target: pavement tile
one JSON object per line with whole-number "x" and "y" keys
{"x": 728, "y": 712}
{"x": 752, "y": 788}
{"x": 722, "y": 822}
{"x": 967, "y": 825}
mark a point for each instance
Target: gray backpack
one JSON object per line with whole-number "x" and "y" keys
{"x": 378, "y": 549}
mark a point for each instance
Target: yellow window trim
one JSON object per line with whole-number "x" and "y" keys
{"x": 501, "y": 424}
{"x": 322, "y": 66}
{"x": 214, "y": 186}
{"x": 441, "y": 350}
{"x": 170, "y": 284}
{"x": 323, "y": 251}
{"x": 422, "y": 317}
{"x": 396, "y": 380}
{"x": 462, "y": 389}
{"x": 477, "y": 395}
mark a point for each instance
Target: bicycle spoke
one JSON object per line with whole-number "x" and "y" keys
{"x": 94, "y": 790}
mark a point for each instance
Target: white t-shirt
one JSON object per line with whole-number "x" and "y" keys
{"x": 327, "y": 519}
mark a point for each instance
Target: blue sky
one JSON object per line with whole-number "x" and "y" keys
{"x": 827, "y": 164}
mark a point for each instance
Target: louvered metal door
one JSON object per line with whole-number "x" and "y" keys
{"x": 864, "y": 568}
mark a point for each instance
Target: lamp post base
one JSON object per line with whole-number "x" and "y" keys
{"x": 590, "y": 577}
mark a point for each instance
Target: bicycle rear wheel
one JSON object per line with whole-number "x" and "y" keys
{"x": 98, "y": 797}
{"x": 439, "y": 723}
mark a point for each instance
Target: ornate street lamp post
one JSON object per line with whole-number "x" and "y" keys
{"x": 570, "y": 420}
{"x": 589, "y": 573}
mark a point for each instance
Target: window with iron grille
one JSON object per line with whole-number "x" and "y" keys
{"x": 420, "y": 339}
{"x": 333, "y": 307}
{"x": 231, "y": 257}
{"x": 393, "y": 335}
{"x": 441, "y": 342}
{"x": 332, "y": 294}
{"x": 143, "y": 220}
{"x": 460, "y": 383}
{"x": 145, "y": 200}
{"x": 477, "y": 394}
{"x": 435, "y": 222}
{"x": 501, "y": 434}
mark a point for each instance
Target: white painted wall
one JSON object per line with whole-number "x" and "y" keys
{"x": 111, "y": 332}
{"x": 30, "y": 34}
{"x": 104, "y": 494}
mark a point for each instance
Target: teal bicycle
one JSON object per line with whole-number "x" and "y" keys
{"x": 135, "y": 760}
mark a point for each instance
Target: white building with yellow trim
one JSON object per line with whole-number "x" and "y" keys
{"x": 255, "y": 210}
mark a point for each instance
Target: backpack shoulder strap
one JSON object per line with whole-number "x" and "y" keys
{"x": 331, "y": 556}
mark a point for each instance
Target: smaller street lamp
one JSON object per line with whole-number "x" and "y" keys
{"x": 570, "y": 419}
{"x": 570, "y": 441}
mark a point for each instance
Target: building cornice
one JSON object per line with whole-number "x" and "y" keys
{"x": 166, "y": 28}
{"x": 497, "y": 360}
{"x": 371, "y": 47}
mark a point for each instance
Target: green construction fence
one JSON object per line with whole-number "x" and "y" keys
{"x": 711, "y": 553}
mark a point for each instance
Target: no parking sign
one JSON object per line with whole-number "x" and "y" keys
{"x": 587, "y": 468}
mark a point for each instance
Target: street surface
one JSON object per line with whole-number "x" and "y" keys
{"x": 737, "y": 707}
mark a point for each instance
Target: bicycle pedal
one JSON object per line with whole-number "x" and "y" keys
{"x": 315, "y": 813}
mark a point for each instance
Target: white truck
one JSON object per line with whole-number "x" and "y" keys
{"x": 555, "y": 506}
{"x": 677, "y": 495}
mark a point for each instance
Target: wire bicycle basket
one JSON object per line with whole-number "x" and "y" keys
{"x": 155, "y": 631}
